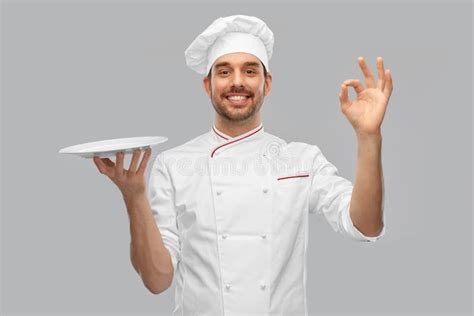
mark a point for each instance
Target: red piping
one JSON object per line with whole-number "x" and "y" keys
{"x": 300, "y": 176}
{"x": 235, "y": 140}
{"x": 218, "y": 133}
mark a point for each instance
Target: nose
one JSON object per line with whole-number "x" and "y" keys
{"x": 237, "y": 78}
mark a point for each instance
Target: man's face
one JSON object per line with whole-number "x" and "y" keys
{"x": 237, "y": 87}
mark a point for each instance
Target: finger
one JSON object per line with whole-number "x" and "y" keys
{"x": 369, "y": 78}
{"x": 133, "y": 164}
{"x": 107, "y": 162}
{"x": 354, "y": 83}
{"x": 388, "y": 84}
{"x": 101, "y": 166}
{"x": 119, "y": 161}
{"x": 381, "y": 74}
{"x": 344, "y": 98}
{"x": 144, "y": 162}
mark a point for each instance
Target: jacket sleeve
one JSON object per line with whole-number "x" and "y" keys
{"x": 330, "y": 196}
{"x": 162, "y": 203}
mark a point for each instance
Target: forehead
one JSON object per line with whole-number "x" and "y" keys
{"x": 237, "y": 59}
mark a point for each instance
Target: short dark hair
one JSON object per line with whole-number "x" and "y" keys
{"x": 264, "y": 72}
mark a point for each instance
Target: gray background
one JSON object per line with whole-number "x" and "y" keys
{"x": 80, "y": 71}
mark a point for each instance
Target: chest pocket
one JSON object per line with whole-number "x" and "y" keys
{"x": 291, "y": 198}
{"x": 294, "y": 179}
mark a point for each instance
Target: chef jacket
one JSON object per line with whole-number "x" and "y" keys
{"x": 233, "y": 214}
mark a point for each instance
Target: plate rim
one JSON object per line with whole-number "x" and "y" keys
{"x": 71, "y": 150}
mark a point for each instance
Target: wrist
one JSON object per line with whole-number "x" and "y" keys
{"x": 365, "y": 136}
{"x": 134, "y": 198}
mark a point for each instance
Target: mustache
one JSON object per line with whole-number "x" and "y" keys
{"x": 242, "y": 90}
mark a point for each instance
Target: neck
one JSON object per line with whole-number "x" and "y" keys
{"x": 234, "y": 129}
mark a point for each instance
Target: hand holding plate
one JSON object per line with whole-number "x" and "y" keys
{"x": 130, "y": 182}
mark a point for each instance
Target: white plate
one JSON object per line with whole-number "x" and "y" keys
{"x": 109, "y": 147}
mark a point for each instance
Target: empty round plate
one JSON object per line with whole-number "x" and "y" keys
{"x": 109, "y": 147}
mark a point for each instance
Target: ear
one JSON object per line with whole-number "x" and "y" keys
{"x": 268, "y": 83}
{"x": 207, "y": 85}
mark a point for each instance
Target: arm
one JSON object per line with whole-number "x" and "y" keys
{"x": 366, "y": 114}
{"x": 366, "y": 208}
{"x": 149, "y": 256}
{"x": 331, "y": 195}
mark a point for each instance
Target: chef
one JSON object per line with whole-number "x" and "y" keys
{"x": 225, "y": 214}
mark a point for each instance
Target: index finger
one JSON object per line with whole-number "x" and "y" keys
{"x": 119, "y": 162}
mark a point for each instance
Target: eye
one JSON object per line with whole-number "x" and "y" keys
{"x": 250, "y": 71}
{"x": 222, "y": 72}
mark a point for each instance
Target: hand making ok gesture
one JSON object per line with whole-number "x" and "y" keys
{"x": 367, "y": 111}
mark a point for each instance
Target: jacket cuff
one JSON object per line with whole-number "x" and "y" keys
{"x": 356, "y": 234}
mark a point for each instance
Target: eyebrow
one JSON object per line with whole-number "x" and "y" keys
{"x": 225, "y": 63}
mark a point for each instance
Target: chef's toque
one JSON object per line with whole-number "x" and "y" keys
{"x": 231, "y": 34}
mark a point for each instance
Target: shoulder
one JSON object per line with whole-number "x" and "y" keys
{"x": 297, "y": 148}
{"x": 294, "y": 153}
{"x": 198, "y": 146}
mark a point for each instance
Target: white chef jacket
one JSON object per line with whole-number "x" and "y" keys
{"x": 233, "y": 213}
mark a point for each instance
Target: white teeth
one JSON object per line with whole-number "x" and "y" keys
{"x": 237, "y": 97}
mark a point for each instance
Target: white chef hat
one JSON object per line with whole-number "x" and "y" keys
{"x": 231, "y": 34}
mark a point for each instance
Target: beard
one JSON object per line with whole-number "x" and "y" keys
{"x": 237, "y": 114}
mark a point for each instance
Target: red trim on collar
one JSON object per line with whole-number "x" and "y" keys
{"x": 235, "y": 140}
{"x": 218, "y": 133}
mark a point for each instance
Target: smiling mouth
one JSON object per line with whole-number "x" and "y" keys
{"x": 238, "y": 100}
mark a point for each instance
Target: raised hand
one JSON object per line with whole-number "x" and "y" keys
{"x": 130, "y": 182}
{"x": 366, "y": 113}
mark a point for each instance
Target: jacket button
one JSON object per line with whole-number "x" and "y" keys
{"x": 218, "y": 192}
{"x": 264, "y": 236}
{"x": 263, "y": 286}
{"x": 227, "y": 286}
{"x": 265, "y": 190}
{"x": 224, "y": 236}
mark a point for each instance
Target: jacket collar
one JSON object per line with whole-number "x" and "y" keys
{"x": 225, "y": 140}
{"x": 222, "y": 137}
{"x": 218, "y": 135}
